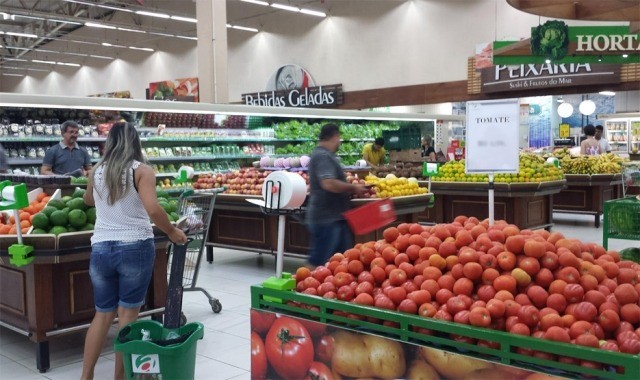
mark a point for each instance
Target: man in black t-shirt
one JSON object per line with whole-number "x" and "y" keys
{"x": 328, "y": 199}
{"x": 427, "y": 149}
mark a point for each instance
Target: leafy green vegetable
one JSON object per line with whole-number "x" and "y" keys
{"x": 550, "y": 39}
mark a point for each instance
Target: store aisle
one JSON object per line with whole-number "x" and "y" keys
{"x": 224, "y": 351}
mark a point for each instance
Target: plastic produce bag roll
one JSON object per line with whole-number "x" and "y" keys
{"x": 289, "y": 187}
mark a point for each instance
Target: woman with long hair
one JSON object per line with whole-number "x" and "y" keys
{"x": 122, "y": 188}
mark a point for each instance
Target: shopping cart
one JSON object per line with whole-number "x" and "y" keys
{"x": 195, "y": 211}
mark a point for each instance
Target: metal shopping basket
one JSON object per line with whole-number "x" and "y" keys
{"x": 195, "y": 210}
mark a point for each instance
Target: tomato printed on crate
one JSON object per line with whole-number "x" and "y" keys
{"x": 289, "y": 348}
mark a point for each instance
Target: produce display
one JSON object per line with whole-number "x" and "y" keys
{"x": 532, "y": 283}
{"x": 607, "y": 163}
{"x": 400, "y": 169}
{"x": 533, "y": 168}
{"x": 246, "y": 181}
{"x": 392, "y": 186}
{"x": 26, "y": 215}
{"x": 283, "y": 162}
{"x": 67, "y": 214}
{"x": 296, "y": 129}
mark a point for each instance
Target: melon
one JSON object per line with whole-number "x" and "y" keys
{"x": 304, "y": 161}
{"x": 286, "y": 162}
{"x": 266, "y": 161}
{"x": 279, "y": 163}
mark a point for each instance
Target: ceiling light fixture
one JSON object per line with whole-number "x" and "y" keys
{"x": 565, "y": 110}
{"x": 285, "y": 7}
{"x": 41, "y": 61}
{"x": 186, "y": 19}
{"x": 23, "y": 68}
{"x": 12, "y": 75}
{"x": 257, "y": 2}
{"x": 96, "y": 25}
{"x": 153, "y": 14}
{"x": 313, "y": 13}
{"x": 70, "y": 64}
{"x": 100, "y": 5}
{"x": 15, "y": 59}
{"x": 188, "y": 38}
{"x": 162, "y": 34}
{"x": 107, "y": 44}
{"x": 607, "y": 93}
{"x": 29, "y": 17}
{"x": 587, "y": 107}
{"x": 139, "y": 48}
{"x": 17, "y": 34}
{"x": 547, "y": 61}
{"x": 131, "y": 30}
{"x": 5, "y": 16}
{"x": 100, "y": 56}
{"x": 625, "y": 55}
{"x": 242, "y": 28}
{"x": 64, "y": 22}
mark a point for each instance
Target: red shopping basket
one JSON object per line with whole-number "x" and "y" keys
{"x": 371, "y": 216}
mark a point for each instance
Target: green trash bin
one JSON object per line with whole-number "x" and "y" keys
{"x": 159, "y": 358}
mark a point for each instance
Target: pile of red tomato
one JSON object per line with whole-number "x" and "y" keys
{"x": 525, "y": 282}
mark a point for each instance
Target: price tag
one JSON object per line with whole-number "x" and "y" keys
{"x": 565, "y": 131}
{"x": 430, "y": 169}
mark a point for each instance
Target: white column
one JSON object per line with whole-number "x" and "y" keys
{"x": 212, "y": 51}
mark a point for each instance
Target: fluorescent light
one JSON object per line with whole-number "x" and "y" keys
{"x": 139, "y": 48}
{"x": 286, "y": 7}
{"x": 12, "y": 75}
{"x": 228, "y": 26}
{"x": 23, "y": 68}
{"x": 245, "y": 28}
{"x": 17, "y": 34}
{"x": 100, "y": 5}
{"x": 112, "y": 45}
{"x": 625, "y": 55}
{"x": 188, "y": 38}
{"x": 187, "y": 19}
{"x": 100, "y": 56}
{"x": 258, "y": 2}
{"x": 131, "y": 30}
{"x": 607, "y": 93}
{"x": 17, "y": 48}
{"x": 162, "y": 34}
{"x": 29, "y": 17}
{"x": 70, "y": 64}
{"x": 4, "y": 15}
{"x": 313, "y": 13}
{"x": 153, "y": 14}
{"x": 15, "y": 59}
{"x": 547, "y": 61}
{"x": 40, "y": 61}
{"x": 96, "y": 25}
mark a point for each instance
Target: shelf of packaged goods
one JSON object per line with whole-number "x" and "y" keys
{"x": 507, "y": 349}
{"x": 202, "y": 158}
{"x": 33, "y": 139}
{"x": 205, "y": 140}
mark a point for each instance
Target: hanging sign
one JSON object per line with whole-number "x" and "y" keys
{"x": 565, "y": 131}
{"x": 492, "y": 144}
{"x": 321, "y": 96}
{"x": 559, "y": 43}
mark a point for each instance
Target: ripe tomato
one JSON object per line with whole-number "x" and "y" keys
{"x": 528, "y": 314}
{"x": 609, "y": 320}
{"x": 258, "y": 357}
{"x": 480, "y": 317}
{"x": 261, "y": 321}
{"x": 324, "y": 348}
{"x": 319, "y": 371}
{"x": 585, "y": 311}
{"x": 289, "y": 348}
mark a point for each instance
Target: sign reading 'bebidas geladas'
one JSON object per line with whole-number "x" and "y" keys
{"x": 321, "y": 96}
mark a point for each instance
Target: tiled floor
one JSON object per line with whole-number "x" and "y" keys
{"x": 224, "y": 351}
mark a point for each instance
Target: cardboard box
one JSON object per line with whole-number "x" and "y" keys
{"x": 409, "y": 155}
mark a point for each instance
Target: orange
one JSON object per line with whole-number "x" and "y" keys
{"x": 4, "y": 229}
{"x": 40, "y": 206}
{"x": 12, "y": 219}
{"x": 12, "y": 230}
{"x": 25, "y": 230}
{"x": 25, "y": 223}
{"x": 41, "y": 196}
{"x": 46, "y": 199}
{"x": 25, "y": 215}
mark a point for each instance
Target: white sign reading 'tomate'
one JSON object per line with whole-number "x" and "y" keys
{"x": 492, "y": 136}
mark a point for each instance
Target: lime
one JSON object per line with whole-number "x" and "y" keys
{"x": 91, "y": 215}
{"x": 87, "y": 227}
{"x": 79, "y": 193}
{"x": 57, "y": 230}
{"x": 59, "y": 219}
{"x": 49, "y": 210}
{"x": 40, "y": 221}
{"x": 57, "y": 203}
{"x": 77, "y": 218}
{"x": 77, "y": 204}
{"x": 38, "y": 231}
{"x": 71, "y": 229}
{"x": 66, "y": 199}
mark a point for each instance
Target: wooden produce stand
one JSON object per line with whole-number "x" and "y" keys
{"x": 239, "y": 224}
{"x": 53, "y": 294}
{"x": 586, "y": 194}
{"x": 527, "y": 205}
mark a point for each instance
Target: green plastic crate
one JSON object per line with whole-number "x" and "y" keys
{"x": 403, "y": 138}
{"x": 344, "y": 314}
{"x": 621, "y": 220}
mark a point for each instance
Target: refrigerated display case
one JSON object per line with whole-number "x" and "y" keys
{"x": 623, "y": 132}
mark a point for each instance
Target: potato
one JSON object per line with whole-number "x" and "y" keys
{"x": 362, "y": 355}
{"x": 452, "y": 365}
{"x": 420, "y": 370}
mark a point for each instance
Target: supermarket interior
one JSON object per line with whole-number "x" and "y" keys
{"x": 419, "y": 189}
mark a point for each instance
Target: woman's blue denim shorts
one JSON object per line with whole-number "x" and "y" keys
{"x": 120, "y": 273}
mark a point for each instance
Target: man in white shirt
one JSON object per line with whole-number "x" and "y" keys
{"x": 604, "y": 143}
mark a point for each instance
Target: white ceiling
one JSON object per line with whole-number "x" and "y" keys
{"x": 64, "y": 20}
